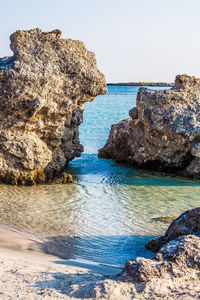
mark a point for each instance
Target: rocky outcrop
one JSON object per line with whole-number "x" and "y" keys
{"x": 178, "y": 254}
{"x": 186, "y": 223}
{"x": 175, "y": 259}
{"x": 163, "y": 131}
{"x": 43, "y": 88}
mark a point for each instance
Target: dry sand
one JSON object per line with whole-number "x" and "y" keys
{"x": 30, "y": 275}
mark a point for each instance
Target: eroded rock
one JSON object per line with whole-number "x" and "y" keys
{"x": 175, "y": 259}
{"x": 43, "y": 88}
{"x": 163, "y": 131}
{"x": 186, "y": 223}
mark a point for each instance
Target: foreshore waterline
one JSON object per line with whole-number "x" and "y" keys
{"x": 101, "y": 221}
{"x": 25, "y": 242}
{"x": 113, "y": 209}
{"x": 32, "y": 275}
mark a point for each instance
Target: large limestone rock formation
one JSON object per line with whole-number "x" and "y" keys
{"x": 43, "y": 88}
{"x": 186, "y": 223}
{"x": 163, "y": 131}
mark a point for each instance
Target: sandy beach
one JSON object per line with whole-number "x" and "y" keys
{"x": 30, "y": 274}
{"x": 100, "y": 150}
{"x": 27, "y": 273}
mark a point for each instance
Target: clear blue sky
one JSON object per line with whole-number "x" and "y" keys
{"x": 147, "y": 40}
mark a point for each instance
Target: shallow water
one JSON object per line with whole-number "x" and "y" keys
{"x": 109, "y": 214}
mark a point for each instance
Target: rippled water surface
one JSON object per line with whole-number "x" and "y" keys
{"x": 110, "y": 213}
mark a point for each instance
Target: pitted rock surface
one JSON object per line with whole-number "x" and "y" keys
{"x": 43, "y": 88}
{"x": 163, "y": 131}
{"x": 175, "y": 259}
{"x": 186, "y": 223}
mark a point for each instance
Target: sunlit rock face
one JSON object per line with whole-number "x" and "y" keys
{"x": 43, "y": 88}
{"x": 163, "y": 131}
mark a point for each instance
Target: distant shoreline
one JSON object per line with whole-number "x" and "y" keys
{"x": 142, "y": 84}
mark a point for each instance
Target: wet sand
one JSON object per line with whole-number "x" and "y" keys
{"x": 13, "y": 239}
{"x": 28, "y": 273}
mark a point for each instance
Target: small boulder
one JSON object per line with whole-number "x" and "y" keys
{"x": 174, "y": 260}
{"x": 186, "y": 223}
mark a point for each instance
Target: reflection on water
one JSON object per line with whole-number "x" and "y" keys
{"x": 113, "y": 210}
{"x": 40, "y": 209}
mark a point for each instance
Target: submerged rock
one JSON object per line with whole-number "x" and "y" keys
{"x": 166, "y": 219}
{"x": 163, "y": 131}
{"x": 43, "y": 88}
{"x": 63, "y": 178}
{"x": 186, "y": 223}
{"x": 175, "y": 259}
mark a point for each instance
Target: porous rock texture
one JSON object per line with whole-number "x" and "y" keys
{"x": 163, "y": 131}
{"x": 186, "y": 223}
{"x": 43, "y": 88}
{"x": 175, "y": 259}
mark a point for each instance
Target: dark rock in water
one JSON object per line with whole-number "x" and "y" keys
{"x": 163, "y": 131}
{"x": 186, "y": 223}
{"x": 43, "y": 88}
{"x": 63, "y": 178}
{"x": 175, "y": 259}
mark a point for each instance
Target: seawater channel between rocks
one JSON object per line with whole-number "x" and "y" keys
{"x": 113, "y": 210}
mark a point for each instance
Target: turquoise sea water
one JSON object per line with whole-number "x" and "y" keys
{"x": 110, "y": 213}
